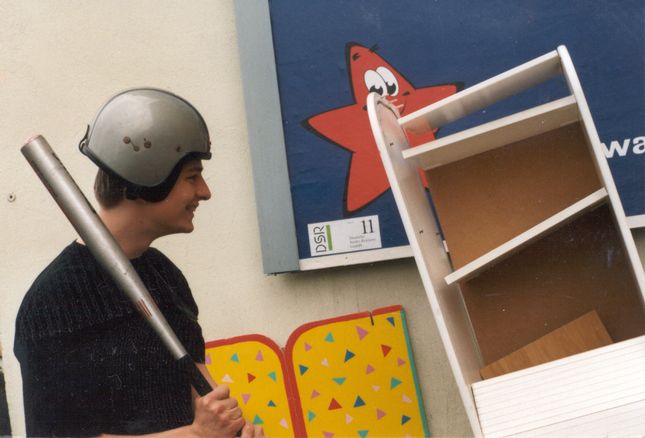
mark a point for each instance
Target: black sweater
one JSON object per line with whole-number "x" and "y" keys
{"x": 90, "y": 364}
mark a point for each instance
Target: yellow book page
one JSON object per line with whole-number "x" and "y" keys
{"x": 251, "y": 366}
{"x": 355, "y": 377}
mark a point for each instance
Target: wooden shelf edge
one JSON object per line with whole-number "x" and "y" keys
{"x": 496, "y": 255}
{"x": 494, "y": 134}
{"x": 483, "y": 94}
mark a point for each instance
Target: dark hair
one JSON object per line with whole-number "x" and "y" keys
{"x": 109, "y": 189}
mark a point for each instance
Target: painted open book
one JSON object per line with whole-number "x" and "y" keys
{"x": 352, "y": 375}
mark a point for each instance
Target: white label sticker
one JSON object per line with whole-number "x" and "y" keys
{"x": 346, "y": 235}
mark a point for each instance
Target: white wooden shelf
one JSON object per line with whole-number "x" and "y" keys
{"x": 483, "y": 94}
{"x": 497, "y": 133}
{"x": 521, "y": 240}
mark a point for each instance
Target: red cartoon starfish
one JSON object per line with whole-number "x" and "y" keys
{"x": 349, "y": 126}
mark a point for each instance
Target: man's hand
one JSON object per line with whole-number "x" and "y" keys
{"x": 251, "y": 431}
{"x": 218, "y": 415}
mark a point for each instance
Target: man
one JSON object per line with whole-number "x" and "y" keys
{"x": 90, "y": 364}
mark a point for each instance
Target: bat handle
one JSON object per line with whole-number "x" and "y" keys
{"x": 197, "y": 379}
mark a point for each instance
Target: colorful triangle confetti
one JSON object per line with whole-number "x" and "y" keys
{"x": 404, "y": 419}
{"x": 359, "y": 402}
{"x": 400, "y": 362}
{"x": 406, "y": 399}
{"x": 227, "y": 379}
{"x": 334, "y": 405}
{"x": 235, "y": 358}
{"x": 259, "y": 356}
{"x": 390, "y": 319}
{"x": 250, "y": 377}
{"x": 208, "y": 359}
{"x": 348, "y": 355}
{"x": 363, "y": 433}
{"x": 380, "y": 414}
{"x": 310, "y": 416}
{"x": 394, "y": 383}
{"x": 348, "y": 419}
{"x": 307, "y": 347}
{"x": 376, "y": 388}
{"x": 272, "y": 376}
{"x": 303, "y": 369}
{"x": 314, "y": 394}
{"x": 385, "y": 349}
{"x": 328, "y": 434}
{"x": 329, "y": 337}
{"x": 325, "y": 362}
{"x": 284, "y": 423}
{"x": 257, "y": 420}
{"x": 246, "y": 398}
{"x": 271, "y": 404}
{"x": 369, "y": 369}
{"x": 339, "y": 380}
{"x": 361, "y": 332}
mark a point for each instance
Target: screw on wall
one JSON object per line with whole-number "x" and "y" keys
{"x": 11, "y": 197}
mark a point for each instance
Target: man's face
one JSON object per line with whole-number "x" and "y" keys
{"x": 175, "y": 213}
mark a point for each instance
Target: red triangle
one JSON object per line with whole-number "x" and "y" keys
{"x": 386, "y": 349}
{"x": 250, "y": 376}
{"x": 334, "y": 404}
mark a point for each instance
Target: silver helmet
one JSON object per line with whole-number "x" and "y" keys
{"x": 142, "y": 134}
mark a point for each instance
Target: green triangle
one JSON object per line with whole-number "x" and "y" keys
{"x": 258, "y": 420}
{"x": 271, "y": 404}
{"x": 303, "y": 369}
{"x": 390, "y": 319}
{"x": 394, "y": 383}
{"x": 310, "y": 416}
{"x": 273, "y": 376}
{"x": 363, "y": 433}
{"x": 329, "y": 337}
{"x": 339, "y": 380}
{"x": 235, "y": 358}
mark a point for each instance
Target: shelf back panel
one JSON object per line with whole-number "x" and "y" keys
{"x": 579, "y": 268}
{"x": 487, "y": 199}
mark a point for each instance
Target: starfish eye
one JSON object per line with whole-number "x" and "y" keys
{"x": 390, "y": 80}
{"x": 374, "y": 82}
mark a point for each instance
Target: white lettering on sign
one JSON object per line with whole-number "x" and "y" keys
{"x": 346, "y": 235}
{"x": 634, "y": 145}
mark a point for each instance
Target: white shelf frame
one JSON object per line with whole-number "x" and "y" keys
{"x": 522, "y": 240}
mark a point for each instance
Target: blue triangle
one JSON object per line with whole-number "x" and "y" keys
{"x": 390, "y": 319}
{"x": 235, "y": 358}
{"x": 303, "y": 369}
{"x": 348, "y": 355}
{"x": 405, "y": 419}
{"x": 329, "y": 337}
{"x": 257, "y": 420}
{"x": 339, "y": 380}
{"x": 310, "y": 416}
{"x": 363, "y": 433}
{"x": 273, "y": 376}
{"x": 359, "y": 402}
{"x": 394, "y": 383}
{"x": 271, "y": 404}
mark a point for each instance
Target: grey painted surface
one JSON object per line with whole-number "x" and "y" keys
{"x": 266, "y": 138}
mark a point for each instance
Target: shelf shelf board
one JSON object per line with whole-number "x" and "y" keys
{"x": 515, "y": 244}
{"x": 497, "y": 133}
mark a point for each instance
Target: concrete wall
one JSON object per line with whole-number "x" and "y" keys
{"x": 58, "y": 62}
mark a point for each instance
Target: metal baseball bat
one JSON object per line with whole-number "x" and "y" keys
{"x": 105, "y": 249}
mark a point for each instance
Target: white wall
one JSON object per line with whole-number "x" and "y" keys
{"x": 58, "y": 62}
